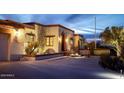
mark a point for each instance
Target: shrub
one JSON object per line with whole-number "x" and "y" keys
{"x": 111, "y": 62}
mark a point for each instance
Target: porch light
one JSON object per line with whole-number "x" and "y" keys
{"x": 60, "y": 39}
{"x": 18, "y": 33}
{"x": 66, "y": 40}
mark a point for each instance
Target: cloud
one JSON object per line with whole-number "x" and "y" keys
{"x": 50, "y": 18}
{"x": 81, "y": 23}
{"x": 10, "y": 17}
{"x": 81, "y": 31}
{"x": 91, "y": 35}
{"x": 73, "y": 17}
{"x": 79, "y": 17}
{"x": 92, "y": 39}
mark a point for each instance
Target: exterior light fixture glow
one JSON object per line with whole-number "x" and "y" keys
{"x": 66, "y": 40}
{"x": 60, "y": 39}
{"x": 18, "y": 35}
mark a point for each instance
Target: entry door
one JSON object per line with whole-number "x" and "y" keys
{"x": 4, "y": 43}
{"x": 64, "y": 42}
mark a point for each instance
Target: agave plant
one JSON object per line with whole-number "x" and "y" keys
{"x": 32, "y": 49}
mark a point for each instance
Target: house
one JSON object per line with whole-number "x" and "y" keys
{"x": 14, "y": 37}
{"x": 54, "y": 38}
{"x": 78, "y": 41}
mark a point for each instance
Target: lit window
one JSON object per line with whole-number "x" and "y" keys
{"x": 49, "y": 40}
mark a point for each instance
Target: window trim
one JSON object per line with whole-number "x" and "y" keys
{"x": 49, "y": 40}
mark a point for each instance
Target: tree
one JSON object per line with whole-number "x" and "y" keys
{"x": 113, "y": 36}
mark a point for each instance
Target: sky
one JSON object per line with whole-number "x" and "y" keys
{"x": 81, "y": 23}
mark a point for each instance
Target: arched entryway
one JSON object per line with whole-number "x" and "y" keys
{"x": 63, "y": 45}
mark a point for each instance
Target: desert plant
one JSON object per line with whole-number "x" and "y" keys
{"x": 31, "y": 50}
{"x": 113, "y": 36}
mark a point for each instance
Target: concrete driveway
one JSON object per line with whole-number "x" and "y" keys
{"x": 58, "y": 68}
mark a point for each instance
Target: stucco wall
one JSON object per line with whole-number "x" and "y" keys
{"x": 51, "y": 31}
{"x": 55, "y": 31}
{"x": 76, "y": 40}
{"x": 69, "y": 34}
{"x": 19, "y": 42}
{"x": 40, "y": 34}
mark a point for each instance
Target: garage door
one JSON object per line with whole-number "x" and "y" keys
{"x": 4, "y": 42}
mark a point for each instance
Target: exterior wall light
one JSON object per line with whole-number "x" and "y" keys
{"x": 18, "y": 35}
{"x": 66, "y": 40}
{"x": 60, "y": 39}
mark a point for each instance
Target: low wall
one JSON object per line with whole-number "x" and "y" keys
{"x": 47, "y": 56}
{"x": 99, "y": 52}
{"x": 38, "y": 57}
{"x": 84, "y": 52}
{"x": 96, "y": 52}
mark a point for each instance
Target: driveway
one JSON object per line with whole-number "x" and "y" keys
{"x": 57, "y": 68}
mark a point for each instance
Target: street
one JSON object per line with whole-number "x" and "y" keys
{"x": 58, "y": 68}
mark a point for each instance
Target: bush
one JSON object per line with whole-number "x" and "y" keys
{"x": 111, "y": 62}
{"x": 106, "y": 61}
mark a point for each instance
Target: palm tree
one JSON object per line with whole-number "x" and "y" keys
{"x": 113, "y": 36}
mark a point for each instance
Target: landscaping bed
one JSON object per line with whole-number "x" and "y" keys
{"x": 111, "y": 62}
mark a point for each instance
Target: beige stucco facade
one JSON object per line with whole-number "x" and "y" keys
{"x": 20, "y": 42}
{"x": 17, "y": 38}
{"x": 69, "y": 40}
{"x": 15, "y": 43}
{"x": 78, "y": 41}
{"x": 54, "y": 31}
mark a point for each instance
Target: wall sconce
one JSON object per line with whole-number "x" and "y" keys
{"x": 66, "y": 40}
{"x": 18, "y": 35}
{"x": 60, "y": 39}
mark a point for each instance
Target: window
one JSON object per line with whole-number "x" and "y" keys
{"x": 29, "y": 37}
{"x": 49, "y": 40}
